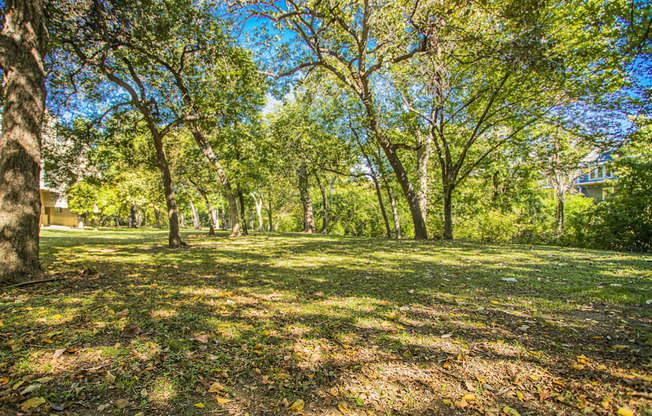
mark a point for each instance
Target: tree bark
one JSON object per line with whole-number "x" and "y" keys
{"x": 209, "y": 209}
{"x": 324, "y": 197}
{"x": 206, "y": 148}
{"x": 392, "y": 203}
{"x": 560, "y": 214}
{"x": 420, "y": 231}
{"x": 269, "y": 211}
{"x": 195, "y": 216}
{"x": 306, "y": 201}
{"x": 448, "y": 211}
{"x": 242, "y": 212}
{"x": 132, "y": 222}
{"x": 23, "y": 43}
{"x": 216, "y": 217}
{"x": 116, "y": 220}
{"x": 157, "y": 215}
{"x": 259, "y": 211}
{"x": 423, "y": 158}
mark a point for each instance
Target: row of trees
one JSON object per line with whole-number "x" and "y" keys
{"x": 407, "y": 100}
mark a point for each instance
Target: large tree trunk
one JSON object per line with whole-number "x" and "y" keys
{"x": 324, "y": 197}
{"x": 195, "y": 216}
{"x": 306, "y": 201}
{"x": 174, "y": 236}
{"x": 420, "y": 231}
{"x": 448, "y": 211}
{"x": 23, "y": 45}
{"x": 242, "y": 212}
{"x": 206, "y": 148}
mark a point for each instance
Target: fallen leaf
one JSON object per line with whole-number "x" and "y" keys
{"x": 625, "y": 411}
{"x": 47, "y": 341}
{"x": 519, "y": 395}
{"x": 469, "y": 397}
{"x": 343, "y": 408}
{"x": 203, "y": 338}
{"x": 510, "y": 411}
{"x": 57, "y": 353}
{"x": 44, "y": 379}
{"x": 110, "y": 377}
{"x": 32, "y": 403}
{"x": 578, "y": 367}
{"x": 17, "y": 385}
{"x": 216, "y": 387}
{"x": 121, "y": 403}
{"x": 447, "y": 402}
{"x": 222, "y": 400}
{"x": 200, "y": 405}
{"x": 461, "y": 403}
{"x": 30, "y": 388}
{"x": 297, "y": 406}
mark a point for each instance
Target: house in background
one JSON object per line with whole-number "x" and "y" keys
{"x": 54, "y": 209}
{"x": 597, "y": 179}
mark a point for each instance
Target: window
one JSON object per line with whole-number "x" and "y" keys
{"x": 58, "y": 210}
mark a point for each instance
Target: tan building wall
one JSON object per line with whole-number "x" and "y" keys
{"x": 55, "y": 211}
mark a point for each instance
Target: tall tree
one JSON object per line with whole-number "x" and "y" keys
{"x": 23, "y": 45}
{"x": 355, "y": 42}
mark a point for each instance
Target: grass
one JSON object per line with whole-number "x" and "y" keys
{"x": 347, "y": 325}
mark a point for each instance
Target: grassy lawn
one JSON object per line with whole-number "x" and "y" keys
{"x": 266, "y": 324}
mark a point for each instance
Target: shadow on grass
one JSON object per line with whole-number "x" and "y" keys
{"x": 391, "y": 327}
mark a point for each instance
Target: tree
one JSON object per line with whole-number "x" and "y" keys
{"x": 355, "y": 43}
{"x": 23, "y": 45}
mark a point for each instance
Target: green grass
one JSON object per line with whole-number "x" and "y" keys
{"x": 381, "y": 327}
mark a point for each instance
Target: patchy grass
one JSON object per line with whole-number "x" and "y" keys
{"x": 348, "y": 325}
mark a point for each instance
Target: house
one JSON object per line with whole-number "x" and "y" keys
{"x": 54, "y": 209}
{"x": 596, "y": 179}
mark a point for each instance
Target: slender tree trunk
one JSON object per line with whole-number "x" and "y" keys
{"x": 116, "y": 220}
{"x": 195, "y": 215}
{"x": 448, "y": 211}
{"x": 420, "y": 231}
{"x": 23, "y": 43}
{"x": 269, "y": 211}
{"x": 423, "y": 157}
{"x": 216, "y": 217}
{"x": 259, "y": 211}
{"x": 324, "y": 197}
{"x": 392, "y": 203}
{"x": 560, "y": 213}
{"x": 206, "y": 148}
{"x": 251, "y": 218}
{"x": 182, "y": 220}
{"x": 306, "y": 201}
{"x": 225, "y": 222}
{"x": 383, "y": 211}
{"x": 157, "y": 215}
{"x": 242, "y": 212}
{"x": 209, "y": 209}
{"x": 133, "y": 222}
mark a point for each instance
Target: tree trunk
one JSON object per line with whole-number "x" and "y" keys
{"x": 225, "y": 222}
{"x": 242, "y": 212}
{"x": 306, "y": 201}
{"x": 420, "y": 231}
{"x": 269, "y": 211}
{"x": 383, "y": 211}
{"x": 448, "y": 211}
{"x": 209, "y": 209}
{"x": 23, "y": 45}
{"x": 251, "y": 218}
{"x": 132, "y": 222}
{"x": 116, "y": 220}
{"x": 144, "y": 217}
{"x": 157, "y": 215}
{"x": 259, "y": 211}
{"x": 216, "y": 217}
{"x": 560, "y": 214}
{"x": 392, "y": 203}
{"x": 324, "y": 197}
{"x": 423, "y": 157}
{"x": 174, "y": 235}
{"x": 195, "y": 216}
{"x": 182, "y": 220}
{"x": 206, "y": 148}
